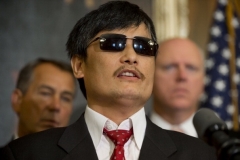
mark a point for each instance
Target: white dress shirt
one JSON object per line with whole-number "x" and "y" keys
{"x": 187, "y": 126}
{"x": 103, "y": 145}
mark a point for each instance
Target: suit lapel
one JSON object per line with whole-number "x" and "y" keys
{"x": 156, "y": 143}
{"x": 77, "y": 142}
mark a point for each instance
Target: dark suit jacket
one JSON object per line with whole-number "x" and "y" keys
{"x": 74, "y": 143}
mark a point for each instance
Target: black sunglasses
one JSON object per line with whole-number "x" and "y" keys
{"x": 117, "y": 42}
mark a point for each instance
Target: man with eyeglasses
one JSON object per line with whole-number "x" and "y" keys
{"x": 112, "y": 51}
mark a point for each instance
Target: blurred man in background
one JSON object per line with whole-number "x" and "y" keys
{"x": 178, "y": 85}
{"x": 43, "y": 97}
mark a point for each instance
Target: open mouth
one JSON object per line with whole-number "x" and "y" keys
{"x": 129, "y": 74}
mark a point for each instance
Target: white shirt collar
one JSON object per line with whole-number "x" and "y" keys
{"x": 15, "y": 136}
{"x": 96, "y": 122}
{"x": 186, "y": 126}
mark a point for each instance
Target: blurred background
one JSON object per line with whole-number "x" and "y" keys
{"x": 39, "y": 28}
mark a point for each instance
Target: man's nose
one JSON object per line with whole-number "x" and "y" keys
{"x": 55, "y": 104}
{"x": 182, "y": 74}
{"x": 128, "y": 54}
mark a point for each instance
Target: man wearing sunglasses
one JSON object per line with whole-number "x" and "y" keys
{"x": 112, "y": 51}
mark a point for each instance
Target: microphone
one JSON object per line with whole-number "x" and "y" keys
{"x": 211, "y": 129}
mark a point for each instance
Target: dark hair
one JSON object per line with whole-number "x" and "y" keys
{"x": 109, "y": 16}
{"x": 26, "y": 73}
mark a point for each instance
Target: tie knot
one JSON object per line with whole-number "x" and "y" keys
{"x": 119, "y": 137}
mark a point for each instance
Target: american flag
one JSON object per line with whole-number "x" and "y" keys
{"x": 219, "y": 91}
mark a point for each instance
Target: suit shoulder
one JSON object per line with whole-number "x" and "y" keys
{"x": 188, "y": 142}
{"x": 42, "y": 136}
{"x": 181, "y": 137}
{"x": 35, "y": 145}
{"x": 182, "y": 145}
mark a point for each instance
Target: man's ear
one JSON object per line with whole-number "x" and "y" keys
{"x": 16, "y": 100}
{"x": 77, "y": 66}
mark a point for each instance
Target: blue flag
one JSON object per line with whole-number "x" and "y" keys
{"x": 219, "y": 91}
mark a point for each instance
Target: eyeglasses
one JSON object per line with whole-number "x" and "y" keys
{"x": 117, "y": 42}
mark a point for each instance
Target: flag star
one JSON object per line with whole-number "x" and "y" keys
{"x": 207, "y": 80}
{"x": 220, "y": 85}
{"x": 216, "y": 31}
{"x": 226, "y": 53}
{"x": 238, "y": 62}
{"x": 223, "y": 2}
{"x": 217, "y": 101}
{"x": 223, "y": 69}
{"x": 236, "y": 78}
{"x": 212, "y": 47}
{"x": 218, "y": 15}
{"x": 209, "y": 63}
{"x": 230, "y": 109}
{"x": 235, "y": 22}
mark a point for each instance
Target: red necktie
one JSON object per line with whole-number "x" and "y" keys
{"x": 119, "y": 138}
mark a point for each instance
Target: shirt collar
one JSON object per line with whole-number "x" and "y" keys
{"x": 139, "y": 126}
{"x": 186, "y": 126}
{"x": 15, "y": 136}
{"x": 96, "y": 122}
{"x": 157, "y": 119}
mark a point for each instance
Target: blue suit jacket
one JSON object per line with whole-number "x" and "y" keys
{"x": 74, "y": 143}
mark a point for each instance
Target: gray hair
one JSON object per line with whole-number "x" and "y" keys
{"x": 26, "y": 73}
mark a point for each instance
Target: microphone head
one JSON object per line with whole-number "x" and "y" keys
{"x": 205, "y": 118}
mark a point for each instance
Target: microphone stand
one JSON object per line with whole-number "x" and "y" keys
{"x": 227, "y": 148}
